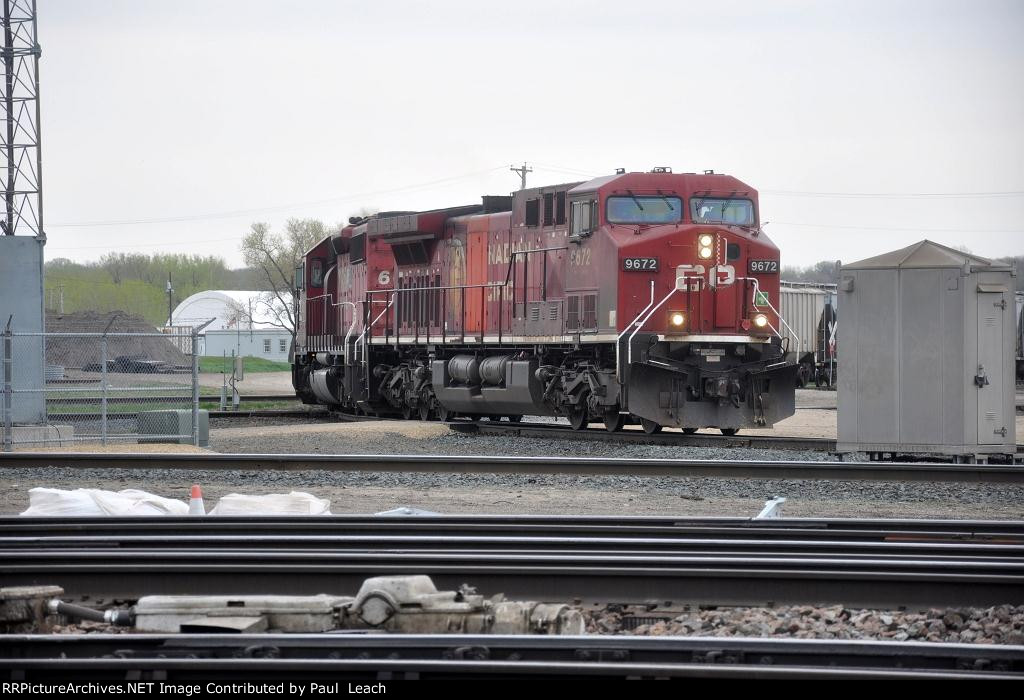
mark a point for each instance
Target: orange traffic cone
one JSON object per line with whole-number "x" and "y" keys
{"x": 195, "y": 503}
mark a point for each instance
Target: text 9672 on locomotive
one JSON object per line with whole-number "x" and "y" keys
{"x": 636, "y": 297}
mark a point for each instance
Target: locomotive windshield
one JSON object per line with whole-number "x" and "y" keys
{"x": 708, "y": 210}
{"x": 659, "y": 209}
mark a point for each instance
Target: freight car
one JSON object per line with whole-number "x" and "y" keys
{"x": 811, "y": 312}
{"x": 646, "y": 297}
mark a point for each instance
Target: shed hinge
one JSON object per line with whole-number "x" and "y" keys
{"x": 1001, "y": 304}
{"x": 1001, "y": 431}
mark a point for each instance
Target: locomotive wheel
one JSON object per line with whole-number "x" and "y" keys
{"x": 689, "y": 431}
{"x": 649, "y": 426}
{"x": 443, "y": 414}
{"x": 803, "y": 375}
{"x": 729, "y": 431}
{"x": 515, "y": 419}
{"x": 578, "y": 417}
{"x": 613, "y": 421}
{"x": 425, "y": 411}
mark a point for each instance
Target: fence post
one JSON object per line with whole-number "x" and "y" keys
{"x": 195, "y": 387}
{"x": 8, "y": 374}
{"x": 103, "y": 389}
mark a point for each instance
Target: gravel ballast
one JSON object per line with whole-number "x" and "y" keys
{"x": 1003, "y": 624}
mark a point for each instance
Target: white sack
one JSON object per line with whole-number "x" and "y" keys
{"x": 47, "y": 502}
{"x": 294, "y": 503}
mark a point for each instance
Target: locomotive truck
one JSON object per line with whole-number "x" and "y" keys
{"x": 641, "y": 297}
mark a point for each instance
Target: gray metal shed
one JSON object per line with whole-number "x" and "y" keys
{"x": 928, "y": 354}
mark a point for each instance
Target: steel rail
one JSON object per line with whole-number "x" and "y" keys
{"x": 248, "y": 657}
{"x": 635, "y": 578}
{"x": 860, "y": 532}
{"x": 255, "y": 413}
{"x": 175, "y": 398}
{"x": 476, "y": 464}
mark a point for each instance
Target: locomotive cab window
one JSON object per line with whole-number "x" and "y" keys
{"x": 633, "y": 209}
{"x": 300, "y": 277}
{"x": 316, "y": 273}
{"x": 583, "y": 217}
{"x": 711, "y": 210}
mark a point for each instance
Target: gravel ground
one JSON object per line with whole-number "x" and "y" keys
{"x": 998, "y": 625}
{"x": 354, "y": 492}
{"x": 370, "y": 492}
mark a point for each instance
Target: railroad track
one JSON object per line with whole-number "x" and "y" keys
{"x": 296, "y": 413}
{"x": 656, "y": 562}
{"x": 757, "y": 469}
{"x": 297, "y": 658}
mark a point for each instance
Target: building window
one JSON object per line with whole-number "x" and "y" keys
{"x": 266, "y": 345}
{"x": 282, "y": 345}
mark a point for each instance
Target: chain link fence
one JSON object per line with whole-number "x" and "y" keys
{"x": 64, "y": 388}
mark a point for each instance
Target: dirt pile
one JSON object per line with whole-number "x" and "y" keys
{"x": 78, "y": 351}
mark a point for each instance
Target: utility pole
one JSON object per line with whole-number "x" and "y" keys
{"x": 170, "y": 297}
{"x": 522, "y": 174}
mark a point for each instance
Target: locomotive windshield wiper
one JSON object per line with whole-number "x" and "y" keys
{"x": 668, "y": 203}
{"x": 636, "y": 200}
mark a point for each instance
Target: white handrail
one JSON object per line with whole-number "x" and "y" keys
{"x": 618, "y": 338}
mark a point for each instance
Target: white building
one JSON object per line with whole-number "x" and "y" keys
{"x": 247, "y": 324}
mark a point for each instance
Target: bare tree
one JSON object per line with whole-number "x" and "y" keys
{"x": 274, "y": 257}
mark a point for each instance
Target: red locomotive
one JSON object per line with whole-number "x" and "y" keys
{"x": 647, "y": 297}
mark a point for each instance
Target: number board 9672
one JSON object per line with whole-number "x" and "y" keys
{"x": 764, "y": 266}
{"x": 640, "y": 264}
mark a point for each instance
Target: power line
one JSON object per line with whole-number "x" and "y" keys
{"x": 146, "y": 245}
{"x": 894, "y": 195}
{"x": 886, "y": 228}
{"x": 262, "y": 210}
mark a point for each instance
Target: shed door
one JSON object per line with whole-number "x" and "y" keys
{"x": 990, "y": 359}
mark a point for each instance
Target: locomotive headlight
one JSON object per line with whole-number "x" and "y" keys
{"x": 705, "y": 240}
{"x": 760, "y": 320}
{"x": 677, "y": 318}
{"x": 705, "y": 252}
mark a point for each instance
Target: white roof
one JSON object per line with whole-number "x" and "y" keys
{"x": 231, "y": 310}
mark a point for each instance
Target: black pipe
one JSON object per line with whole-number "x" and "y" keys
{"x": 118, "y": 618}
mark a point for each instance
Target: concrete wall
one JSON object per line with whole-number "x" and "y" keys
{"x": 247, "y": 344}
{"x": 21, "y": 297}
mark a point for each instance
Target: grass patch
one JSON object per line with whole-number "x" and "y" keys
{"x": 252, "y": 364}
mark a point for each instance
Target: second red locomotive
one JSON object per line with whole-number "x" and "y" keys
{"x": 646, "y": 297}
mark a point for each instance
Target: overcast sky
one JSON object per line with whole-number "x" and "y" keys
{"x": 172, "y": 125}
